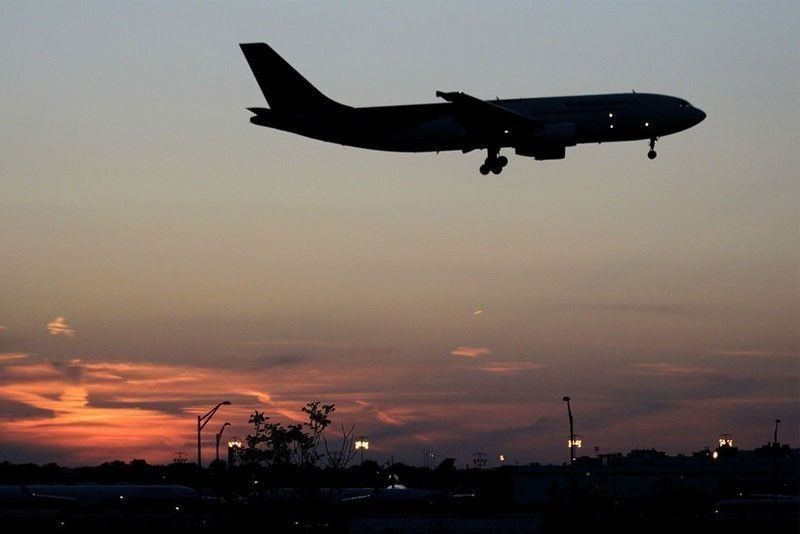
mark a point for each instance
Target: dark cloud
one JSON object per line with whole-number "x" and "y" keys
{"x": 73, "y": 372}
{"x": 282, "y": 360}
{"x": 11, "y": 410}
{"x": 268, "y": 361}
{"x": 169, "y": 407}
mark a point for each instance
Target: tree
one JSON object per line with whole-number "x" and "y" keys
{"x": 273, "y": 445}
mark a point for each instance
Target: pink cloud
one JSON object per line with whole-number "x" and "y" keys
{"x": 59, "y": 327}
{"x": 669, "y": 369}
{"x": 470, "y": 352}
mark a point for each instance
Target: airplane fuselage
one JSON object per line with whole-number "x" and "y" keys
{"x": 437, "y": 127}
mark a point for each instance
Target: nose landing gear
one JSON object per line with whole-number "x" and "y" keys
{"x": 494, "y": 163}
{"x": 652, "y": 152}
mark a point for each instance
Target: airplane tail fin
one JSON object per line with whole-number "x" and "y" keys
{"x": 284, "y": 88}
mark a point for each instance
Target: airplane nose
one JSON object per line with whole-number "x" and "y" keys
{"x": 699, "y": 115}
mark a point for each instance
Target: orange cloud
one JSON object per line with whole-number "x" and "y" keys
{"x": 470, "y": 352}
{"x": 59, "y": 327}
{"x": 12, "y": 356}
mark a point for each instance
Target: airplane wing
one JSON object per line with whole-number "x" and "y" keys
{"x": 482, "y": 114}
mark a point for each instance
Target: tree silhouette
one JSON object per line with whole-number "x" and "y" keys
{"x": 303, "y": 445}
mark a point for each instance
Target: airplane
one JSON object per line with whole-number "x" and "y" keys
{"x": 541, "y": 128}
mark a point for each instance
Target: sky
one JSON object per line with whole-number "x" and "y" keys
{"x": 160, "y": 254}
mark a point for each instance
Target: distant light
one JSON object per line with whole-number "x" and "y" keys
{"x": 235, "y": 442}
{"x": 610, "y": 115}
{"x": 477, "y": 312}
{"x": 362, "y": 443}
{"x": 505, "y": 131}
{"x": 611, "y": 126}
{"x": 577, "y": 442}
{"x": 177, "y": 508}
{"x": 646, "y": 124}
{"x": 726, "y": 440}
{"x": 715, "y": 455}
{"x": 501, "y": 457}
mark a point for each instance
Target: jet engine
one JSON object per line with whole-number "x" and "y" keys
{"x": 548, "y": 142}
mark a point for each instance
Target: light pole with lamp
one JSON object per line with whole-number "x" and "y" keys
{"x": 202, "y": 421}
{"x": 219, "y": 437}
{"x": 571, "y": 433}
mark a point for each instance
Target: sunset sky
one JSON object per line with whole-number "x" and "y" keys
{"x": 159, "y": 254}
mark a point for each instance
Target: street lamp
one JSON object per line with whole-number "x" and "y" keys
{"x": 362, "y": 444}
{"x": 572, "y": 443}
{"x": 219, "y": 437}
{"x": 202, "y": 421}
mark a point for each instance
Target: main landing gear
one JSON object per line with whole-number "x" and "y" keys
{"x": 652, "y": 152}
{"x": 494, "y": 162}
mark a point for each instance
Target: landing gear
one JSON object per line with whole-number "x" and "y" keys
{"x": 652, "y": 152}
{"x": 494, "y": 163}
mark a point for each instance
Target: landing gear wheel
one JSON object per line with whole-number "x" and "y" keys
{"x": 484, "y": 169}
{"x": 502, "y": 161}
{"x": 497, "y": 169}
{"x": 652, "y": 153}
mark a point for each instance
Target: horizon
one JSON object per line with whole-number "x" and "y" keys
{"x": 160, "y": 254}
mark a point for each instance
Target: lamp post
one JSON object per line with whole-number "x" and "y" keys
{"x": 775, "y": 435}
{"x": 219, "y": 437}
{"x": 202, "y": 421}
{"x": 571, "y": 433}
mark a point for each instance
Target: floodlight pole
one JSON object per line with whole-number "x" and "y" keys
{"x": 571, "y": 433}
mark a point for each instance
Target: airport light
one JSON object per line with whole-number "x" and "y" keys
{"x": 575, "y": 442}
{"x": 202, "y": 421}
{"x": 362, "y": 444}
{"x": 234, "y": 444}
{"x": 219, "y": 437}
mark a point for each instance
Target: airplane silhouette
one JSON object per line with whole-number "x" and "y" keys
{"x": 540, "y": 128}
